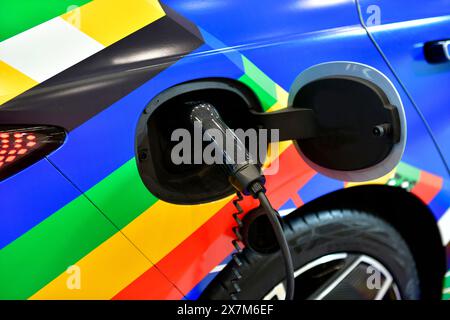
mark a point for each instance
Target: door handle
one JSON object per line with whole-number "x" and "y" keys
{"x": 437, "y": 51}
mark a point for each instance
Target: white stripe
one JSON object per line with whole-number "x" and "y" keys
{"x": 218, "y": 268}
{"x": 285, "y": 212}
{"x": 444, "y": 227}
{"x": 48, "y": 49}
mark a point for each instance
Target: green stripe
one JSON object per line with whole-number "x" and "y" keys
{"x": 446, "y": 296}
{"x": 260, "y": 83}
{"x": 19, "y": 15}
{"x": 447, "y": 282}
{"x": 43, "y": 253}
{"x": 408, "y": 172}
{"x": 266, "y": 99}
{"x": 260, "y": 78}
{"x": 122, "y": 196}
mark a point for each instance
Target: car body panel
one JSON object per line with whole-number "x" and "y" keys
{"x": 46, "y": 224}
{"x": 405, "y": 28}
{"x": 182, "y": 244}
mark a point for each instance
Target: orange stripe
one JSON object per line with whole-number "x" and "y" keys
{"x": 427, "y": 187}
{"x": 150, "y": 286}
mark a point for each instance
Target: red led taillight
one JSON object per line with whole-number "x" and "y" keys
{"x": 20, "y": 147}
{"x": 13, "y": 141}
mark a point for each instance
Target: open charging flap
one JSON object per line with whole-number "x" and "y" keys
{"x": 360, "y": 125}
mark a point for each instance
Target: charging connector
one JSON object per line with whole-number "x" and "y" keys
{"x": 245, "y": 176}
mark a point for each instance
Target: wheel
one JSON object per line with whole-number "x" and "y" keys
{"x": 339, "y": 254}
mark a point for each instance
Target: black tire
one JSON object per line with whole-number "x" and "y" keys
{"x": 316, "y": 235}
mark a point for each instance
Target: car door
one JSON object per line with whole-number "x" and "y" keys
{"x": 405, "y": 32}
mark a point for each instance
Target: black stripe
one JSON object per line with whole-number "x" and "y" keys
{"x": 82, "y": 91}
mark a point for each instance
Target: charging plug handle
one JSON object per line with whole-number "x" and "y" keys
{"x": 242, "y": 174}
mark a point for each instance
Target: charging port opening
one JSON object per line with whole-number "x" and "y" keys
{"x": 188, "y": 183}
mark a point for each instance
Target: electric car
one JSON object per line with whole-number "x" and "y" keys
{"x": 92, "y": 207}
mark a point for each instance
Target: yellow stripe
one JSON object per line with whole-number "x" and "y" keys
{"x": 108, "y": 21}
{"x": 12, "y": 82}
{"x": 281, "y": 103}
{"x": 116, "y": 263}
{"x": 103, "y": 272}
{"x": 282, "y": 96}
{"x": 382, "y": 181}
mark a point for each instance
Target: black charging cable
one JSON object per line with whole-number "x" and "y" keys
{"x": 274, "y": 219}
{"x": 244, "y": 175}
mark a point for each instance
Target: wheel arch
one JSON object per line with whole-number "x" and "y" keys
{"x": 426, "y": 245}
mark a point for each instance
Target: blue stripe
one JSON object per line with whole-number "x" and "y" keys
{"x": 289, "y": 205}
{"x": 318, "y": 186}
{"x": 441, "y": 202}
{"x": 31, "y": 196}
{"x": 216, "y": 44}
{"x": 195, "y": 293}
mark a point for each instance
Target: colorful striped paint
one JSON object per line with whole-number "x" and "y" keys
{"x": 444, "y": 227}
{"x": 159, "y": 230}
{"x": 103, "y": 272}
{"x": 12, "y": 82}
{"x": 108, "y": 21}
{"x": 37, "y": 39}
{"x": 427, "y": 187}
{"x": 191, "y": 261}
{"x": 19, "y": 15}
{"x": 52, "y": 46}
{"x": 122, "y": 195}
{"x": 146, "y": 221}
{"x": 185, "y": 242}
{"x": 446, "y": 291}
{"x": 261, "y": 79}
{"x": 44, "y": 252}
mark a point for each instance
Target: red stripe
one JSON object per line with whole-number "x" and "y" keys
{"x": 427, "y": 187}
{"x": 297, "y": 200}
{"x": 193, "y": 259}
{"x": 196, "y": 256}
{"x": 292, "y": 175}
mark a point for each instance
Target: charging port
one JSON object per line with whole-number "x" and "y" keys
{"x": 188, "y": 183}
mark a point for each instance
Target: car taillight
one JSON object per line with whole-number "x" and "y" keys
{"x": 22, "y": 146}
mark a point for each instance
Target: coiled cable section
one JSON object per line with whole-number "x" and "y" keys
{"x": 238, "y": 249}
